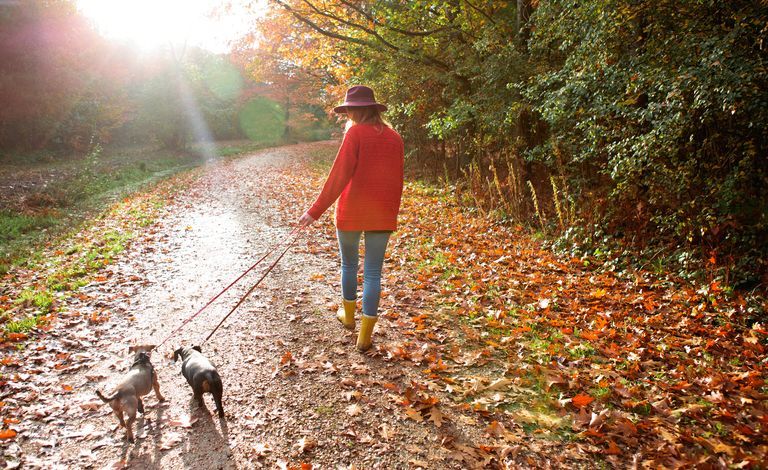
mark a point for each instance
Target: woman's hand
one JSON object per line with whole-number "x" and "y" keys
{"x": 305, "y": 220}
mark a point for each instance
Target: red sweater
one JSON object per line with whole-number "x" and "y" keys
{"x": 366, "y": 178}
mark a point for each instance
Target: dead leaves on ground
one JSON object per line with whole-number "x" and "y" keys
{"x": 624, "y": 363}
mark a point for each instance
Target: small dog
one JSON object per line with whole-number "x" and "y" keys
{"x": 201, "y": 375}
{"x": 140, "y": 379}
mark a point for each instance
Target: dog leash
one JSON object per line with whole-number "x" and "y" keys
{"x": 293, "y": 233}
{"x": 242, "y": 299}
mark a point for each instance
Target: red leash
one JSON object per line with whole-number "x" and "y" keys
{"x": 242, "y": 299}
{"x": 294, "y": 233}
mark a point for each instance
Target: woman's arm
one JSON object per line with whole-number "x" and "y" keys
{"x": 343, "y": 168}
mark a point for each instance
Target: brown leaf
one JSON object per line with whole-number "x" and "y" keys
{"x": 91, "y": 405}
{"x": 414, "y": 415}
{"x": 352, "y": 395}
{"x": 183, "y": 422}
{"x": 612, "y": 449}
{"x": 498, "y": 384}
{"x": 626, "y": 427}
{"x": 386, "y": 432}
{"x": 305, "y": 444}
{"x": 436, "y": 416}
{"x": 13, "y": 337}
{"x": 170, "y": 441}
{"x": 495, "y": 429}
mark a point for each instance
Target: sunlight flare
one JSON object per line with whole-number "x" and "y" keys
{"x": 150, "y": 24}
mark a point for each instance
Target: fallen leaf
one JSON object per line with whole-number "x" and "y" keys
{"x": 286, "y": 358}
{"x": 354, "y": 409}
{"x": 498, "y": 384}
{"x": 414, "y": 415}
{"x": 170, "y": 440}
{"x": 261, "y": 449}
{"x": 386, "y": 432}
{"x": 183, "y": 422}
{"x": 305, "y": 444}
{"x": 495, "y": 429}
{"x": 352, "y": 395}
{"x": 581, "y": 400}
{"x": 7, "y": 434}
{"x": 436, "y": 416}
{"x": 612, "y": 449}
{"x": 91, "y": 405}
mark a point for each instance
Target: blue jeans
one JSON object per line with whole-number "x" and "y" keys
{"x": 349, "y": 248}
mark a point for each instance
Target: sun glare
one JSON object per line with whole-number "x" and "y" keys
{"x": 156, "y": 23}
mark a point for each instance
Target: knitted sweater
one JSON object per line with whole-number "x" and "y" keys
{"x": 366, "y": 178}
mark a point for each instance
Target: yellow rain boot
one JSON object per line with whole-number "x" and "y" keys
{"x": 346, "y": 314}
{"x": 366, "y": 331}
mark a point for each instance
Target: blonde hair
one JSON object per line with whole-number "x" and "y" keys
{"x": 365, "y": 115}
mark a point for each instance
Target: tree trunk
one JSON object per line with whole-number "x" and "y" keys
{"x": 524, "y": 9}
{"x": 287, "y": 116}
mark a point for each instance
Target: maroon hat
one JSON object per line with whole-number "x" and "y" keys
{"x": 358, "y": 95}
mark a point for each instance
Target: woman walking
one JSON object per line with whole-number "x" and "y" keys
{"x": 367, "y": 180}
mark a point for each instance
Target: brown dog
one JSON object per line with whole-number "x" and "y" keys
{"x": 140, "y": 379}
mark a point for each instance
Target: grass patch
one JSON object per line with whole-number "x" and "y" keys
{"x": 13, "y": 226}
{"x": 580, "y": 351}
{"x": 84, "y": 187}
{"x": 323, "y": 409}
{"x": 22, "y": 326}
{"x": 41, "y": 299}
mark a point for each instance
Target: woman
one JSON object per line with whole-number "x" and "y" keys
{"x": 367, "y": 179}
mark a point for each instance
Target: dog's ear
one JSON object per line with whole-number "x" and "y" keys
{"x": 132, "y": 349}
{"x": 197, "y": 348}
{"x": 176, "y": 354}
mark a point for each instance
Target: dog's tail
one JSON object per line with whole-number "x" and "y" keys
{"x": 105, "y": 399}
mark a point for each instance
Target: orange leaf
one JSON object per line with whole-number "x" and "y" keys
{"x": 612, "y": 449}
{"x": 588, "y": 335}
{"x": 581, "y": 400}
{"x": 495, "y": 429}
{"x": 7, "y": 434}
{"x": 11, "y": 421}
{"x": 286, "y": 358}
{"x": 390, "y": 386}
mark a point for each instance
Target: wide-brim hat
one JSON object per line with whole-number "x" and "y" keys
{"x": 358, "y": 95}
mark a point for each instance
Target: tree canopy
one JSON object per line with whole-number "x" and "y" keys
{"x": 639, "y": 122}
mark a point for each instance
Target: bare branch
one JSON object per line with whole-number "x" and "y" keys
{"x": 404, "y": 32}
{"x": 409, "y": 53}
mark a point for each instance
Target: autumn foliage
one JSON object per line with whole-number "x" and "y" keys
{"x": 611, "y": 124}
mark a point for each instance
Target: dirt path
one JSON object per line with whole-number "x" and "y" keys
{"x": 295, "y": 389}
